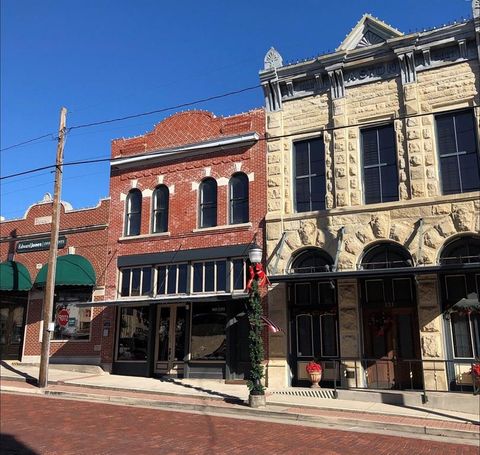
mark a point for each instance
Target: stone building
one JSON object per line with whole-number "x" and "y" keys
{"x": 373, "y": 208}
{"x": 80, "y": 278}
{"x": 188, "y": 200}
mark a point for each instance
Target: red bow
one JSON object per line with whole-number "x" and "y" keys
{"x": 257, "y": 272}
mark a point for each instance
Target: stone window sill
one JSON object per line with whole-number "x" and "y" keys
{"x": 224, "y": 227}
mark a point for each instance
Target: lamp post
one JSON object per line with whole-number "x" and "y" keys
{"x": 257, "y": 280}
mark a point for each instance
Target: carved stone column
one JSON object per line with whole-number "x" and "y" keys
{"x": 348, "y": 320}
{"x": 431, "y": 333}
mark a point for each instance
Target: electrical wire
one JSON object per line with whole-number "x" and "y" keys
{"x": 28, "y": 141}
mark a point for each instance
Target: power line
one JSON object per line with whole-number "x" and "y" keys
{"x": 28, "y": 141}
{"x": 142, "y": 114}
{"x": 165, "y": 109}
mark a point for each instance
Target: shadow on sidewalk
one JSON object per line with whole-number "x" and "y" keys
{"x": 402, "y": 404}
{"x": 232, "y": 399}
{"x": 29, "y": 379}
{"x": 11, "y": 445}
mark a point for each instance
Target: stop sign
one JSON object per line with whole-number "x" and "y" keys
{"x": 62, "y": 317}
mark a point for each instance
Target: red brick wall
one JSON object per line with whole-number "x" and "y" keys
{"x": 91, "y": 244}
{"x": 182, "y": 129}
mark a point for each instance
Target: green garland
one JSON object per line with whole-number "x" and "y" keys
{"x": 256, "y": 342}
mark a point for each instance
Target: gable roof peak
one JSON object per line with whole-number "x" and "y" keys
{"x": 369, "y": 31}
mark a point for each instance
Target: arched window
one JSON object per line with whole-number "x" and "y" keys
{"x": 133, "y": 212}
{"x": 208, "y": 203}
{"x": 238, "y": 198}
{"x": 312, "y": 260}
{"x": 160, "y": 209}
{"x": 464, "y": 249}
{"x": 386, "y": 256}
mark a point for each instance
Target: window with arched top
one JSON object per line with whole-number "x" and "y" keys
{"x": 133, "y": 212}
{"x": 460, "y": 296}
{"x": 160, "y": 209}
{"x": 386, "y": 256}
{"x": 238, "y": 190}
{"x": 465, "y": 249}
{"x": 311, "y": 260}
{"x": 208, "y": 203}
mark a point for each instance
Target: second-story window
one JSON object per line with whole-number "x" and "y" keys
{"x": 380, "y": 175}
{"x": 133, "y": 212}
{"x": 136, "y": 281}
{"x": 160, "y": 209}
{"x": 238, "y": 198}
{"x": 208, "y": 203}
{"x": 310, "y": 184}
{"x": 457, "y": 147}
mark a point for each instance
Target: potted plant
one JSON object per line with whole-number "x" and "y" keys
{"x": 475, "y": 372}
{"x": 314, "y": 369}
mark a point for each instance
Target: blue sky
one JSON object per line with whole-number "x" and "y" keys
{"x": 105, "y": 59}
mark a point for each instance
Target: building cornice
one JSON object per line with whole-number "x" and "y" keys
{"x": 161, "y": 155}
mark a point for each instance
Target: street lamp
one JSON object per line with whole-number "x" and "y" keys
{"x": 257, "y": 280}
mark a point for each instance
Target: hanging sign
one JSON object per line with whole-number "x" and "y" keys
{"x": 27, "y": 246}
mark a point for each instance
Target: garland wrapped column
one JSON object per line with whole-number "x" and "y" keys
{"x": 256, "y": 341}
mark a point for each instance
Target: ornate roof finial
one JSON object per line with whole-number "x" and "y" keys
{"x": 47, "y": 198}
{"x": 272, "y": 59}
{"x": 476, "y": 8}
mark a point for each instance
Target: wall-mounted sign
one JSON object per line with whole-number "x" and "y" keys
{"x": 27, "y": 246}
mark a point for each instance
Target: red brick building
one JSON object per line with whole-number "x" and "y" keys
{"x": 188, "y": 199}
{"x": 80, "y": 276}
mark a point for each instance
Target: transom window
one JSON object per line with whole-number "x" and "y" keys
{"x": 136, "y": 281}
{"x": 208, "y": 203}
{"x": 380, "y": 175}
{"x": 160, "y": 209}
{"x": 213, "y": 276}
{"x": 457, "y": 148}
{"x": 238, "y": 198}
{"x": 311, "y": 260}
{"x": 310, "y": 183}
{"x": 465, "y": 249}
{"x": 133, "y": 212}
{"x": 386, "y": 256}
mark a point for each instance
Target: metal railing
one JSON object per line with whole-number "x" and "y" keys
{"x": 439, "y": 375}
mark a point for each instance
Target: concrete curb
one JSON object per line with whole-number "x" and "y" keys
{"x": 268, "y": 414}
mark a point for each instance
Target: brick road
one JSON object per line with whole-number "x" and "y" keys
{"x": 39, "y": 425}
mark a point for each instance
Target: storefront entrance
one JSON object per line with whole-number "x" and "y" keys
{"x": 391, "y": 348}
{"x": 171, "y": 340}
{"x": 12, "y": 322}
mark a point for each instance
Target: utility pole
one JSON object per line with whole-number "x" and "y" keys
{"x": 52, "y": 257}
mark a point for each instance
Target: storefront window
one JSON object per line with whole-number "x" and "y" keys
{"x": 133, "y": 338}
{"x": 208, "y": 332}
{"x": 71, "y": 321}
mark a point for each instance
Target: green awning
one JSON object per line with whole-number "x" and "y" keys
{"x": 14, "y": 277}
{"x": 72, "y": 270}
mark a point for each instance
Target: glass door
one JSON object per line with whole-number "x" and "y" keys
{"x": 11, "y": 331}
{"x": 171, "y": 346}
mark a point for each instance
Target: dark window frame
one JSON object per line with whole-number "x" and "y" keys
{"x": 457, "y": 153}
{"x": 130, "y": 214}
{"x": 163, "y": 191}
{"x": 321, "y": 205}
{"x": 208, "y": 205}
{"x": 236, "y": 203}
{"x": 379, "y": 166}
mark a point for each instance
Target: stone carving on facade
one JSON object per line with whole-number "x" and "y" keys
{"x": 380, "y": 225}
{"x": 430, "y": 346}
{"x": 272, "y": 59}
{"x": 308, "y": 232}
{"x": 462, "y": 218}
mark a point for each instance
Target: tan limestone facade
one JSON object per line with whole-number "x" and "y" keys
{"x": 401, "y": 80}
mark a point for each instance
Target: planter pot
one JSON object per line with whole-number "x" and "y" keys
{"x": 257, "y": 401}
{"x": 315, "y": 378}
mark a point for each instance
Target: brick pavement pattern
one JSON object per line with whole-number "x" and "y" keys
{"x": 39, "y": 425}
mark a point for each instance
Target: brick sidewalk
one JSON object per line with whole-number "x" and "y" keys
{"x": 421, "y": 425}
